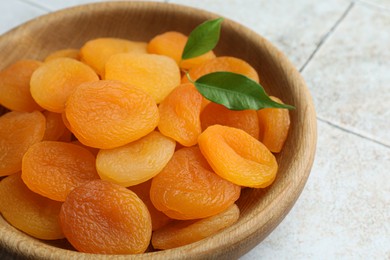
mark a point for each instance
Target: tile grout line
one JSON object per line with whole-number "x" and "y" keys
{"x": 36, "y": 5}
{"x": 352, "y": 132}
{"x": 326, "y": 36}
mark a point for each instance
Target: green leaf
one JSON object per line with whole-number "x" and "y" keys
{"x": 202, "y": 39}
{"x": 235, "y": 91}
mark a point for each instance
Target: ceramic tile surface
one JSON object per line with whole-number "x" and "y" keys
{"x": 343, "y": 48}
{"x": 378, "y": 3}
{"x": 349, "y": 77}
{"x": 16, "y": 13}
{"x": 295, "y": 27}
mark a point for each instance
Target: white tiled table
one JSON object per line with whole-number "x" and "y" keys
{"x": 342, "y": 48}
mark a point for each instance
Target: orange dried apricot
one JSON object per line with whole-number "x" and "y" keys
{"x": 53, "y": 82}
{"x": 52, "y": 169}
{"x": 55, "y": 127}
{"x": 187, "y": 188}
{"x": 172, "y": 44}
{"x": 156, "y": 74}
{"x": 18, "y": 131}
{"x": 274, "y": 125}
{"x": 224, "y": 63}
{"x": 15, "y": 86}
{"x": 96, "y": 52}
{"x": 28, "y": 211}
{"x": 64, "y": 53}
{"x": 246, "y": 120}
{"x": 159, "y": 219}
{"x": 137, "y": 161}
{"x": 180, "y": 233}
{"x": 107, "y": 114}
{"x": 237, "y": 156}
{"x": 180, "y": 115}
{"x": 105, "y": 218}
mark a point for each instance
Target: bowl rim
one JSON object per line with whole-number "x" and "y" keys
{"x": 252, "y": 231}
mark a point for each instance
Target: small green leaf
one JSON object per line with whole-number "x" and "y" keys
{"x": 202, "y": 39}
{"x": 235, "y": 91}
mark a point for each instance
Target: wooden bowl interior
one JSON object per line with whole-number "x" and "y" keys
{"x": 261, "y": 209}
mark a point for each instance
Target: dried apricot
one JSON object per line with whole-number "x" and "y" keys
{"x": 246, "y": 120}
{"x": 28, "y": 211}
{"x": 274, "y": 126}
{"x": 55, "y": 127}
{"x": 187, "y": 188}
{"x": 52, "y": 169}
{"x": 18, "y": 131}
{"x": 105, "y": 218}
{"x": 96, "y": 52}
{"x": 156, "y": 74}
{"x": 224, "y": 63}
{"x": 172, "y": 44}
{"x": 107, "y": 114}
{"x": 53, "y": 82}
{"x": 180, "y": 115}
{"x": 237, "y": 156}
{"x": 15, "y": 86}
{"x": 64, "y": 53}
{"x": 137, "y": 161}
{"x": 142, "y": 190}
{"x": 180, "y": 233}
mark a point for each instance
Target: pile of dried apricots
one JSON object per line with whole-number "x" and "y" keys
{"x": 113, "y": 148}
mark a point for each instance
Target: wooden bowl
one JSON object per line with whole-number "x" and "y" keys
{"x": 261, "y": 209}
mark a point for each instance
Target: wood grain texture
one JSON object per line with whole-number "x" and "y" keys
{"x": 261, "y": 209}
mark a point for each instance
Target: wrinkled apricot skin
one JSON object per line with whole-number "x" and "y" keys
{"x": 28, "y": 211}
{"x": 108, "y": 114}
{"x": 105, "y": 218}
{"x": 96, "y": 52}
{"x": 246, "y": 120}
{"x": 180, "y": 115}
{"x": 224, "y": 63}
{"x": 18, "y": 131}
{"x": 155, "y": 74}
{"x": 53, "y": 82}
{"x": 181, "y": 233}
{"x": 172, "y": 44}
{"x": 274, "y": 125}
{"x": 137, "y": 161}
{"x": 187, "y": 188}
{"x": 53, "y": 169}
{"x": 238, "y": 157}
{"x": 159, "y": 219}
{"x": 15, "y": 86}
